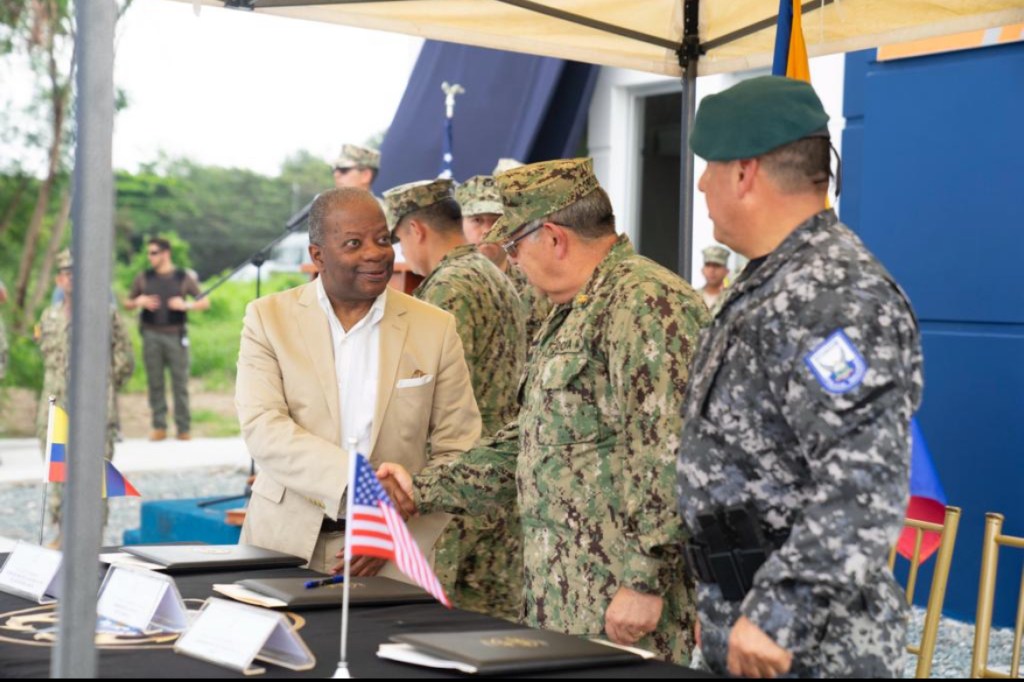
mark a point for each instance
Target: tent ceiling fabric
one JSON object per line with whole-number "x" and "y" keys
{"x": 830, "y": 26}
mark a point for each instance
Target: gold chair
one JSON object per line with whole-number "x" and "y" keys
{"x": 925, "y": 651}
{"x": 994, "y": 538}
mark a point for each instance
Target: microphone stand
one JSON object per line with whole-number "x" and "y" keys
{"x": 257, "y": 259}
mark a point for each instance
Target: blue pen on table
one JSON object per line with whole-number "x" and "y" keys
{"x": 333, "y": 580}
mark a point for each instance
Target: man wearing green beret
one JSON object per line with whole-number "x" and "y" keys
{"x": 481, "y": 207}
{"x": 794, "y": 457}
{"x": 480, "y": 557}
{"x": 589, "y": 462}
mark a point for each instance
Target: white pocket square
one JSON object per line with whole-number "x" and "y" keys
{"x": 416, "y": 381}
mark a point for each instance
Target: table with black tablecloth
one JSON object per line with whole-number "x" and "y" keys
{"x": 25, "y": 653}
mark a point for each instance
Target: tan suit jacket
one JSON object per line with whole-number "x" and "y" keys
{"x": 287, "y": 402}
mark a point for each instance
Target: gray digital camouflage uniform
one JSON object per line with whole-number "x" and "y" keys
{"x": 55, "y": 346}
{"x": 480, "y": 558}
{"x": 592, "y": 454}
{"x": 782, "y": 414}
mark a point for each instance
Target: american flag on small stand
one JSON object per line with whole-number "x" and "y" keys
{"x": 376, "y": 529}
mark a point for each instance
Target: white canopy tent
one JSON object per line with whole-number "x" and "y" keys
{"x": 646, "y": 34}
{"x": 684, "y": 38}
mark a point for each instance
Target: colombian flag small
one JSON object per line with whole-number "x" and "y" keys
{"x": 56, "y": 445}
{"x": 114, "y": 482}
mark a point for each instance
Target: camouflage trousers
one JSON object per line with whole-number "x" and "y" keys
{"x": 479, "y": 561}
{"x": 866, "y": 638}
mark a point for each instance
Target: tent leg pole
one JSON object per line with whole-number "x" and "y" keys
{"x": 93, "y": 246}
{"x": 689, "y": 94}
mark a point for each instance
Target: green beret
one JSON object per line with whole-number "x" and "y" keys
{"x": 402, "y": 200}
{"x": 538, "y": 190}
{"x": 754, "y": 117}
{"x": 478, "y": 195}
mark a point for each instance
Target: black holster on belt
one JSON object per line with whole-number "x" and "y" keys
{"x": 728, "y": 549}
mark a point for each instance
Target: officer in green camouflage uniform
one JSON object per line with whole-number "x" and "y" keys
{"x": 3, "y": 335}
{"x": 356, "y": 166}
{"x": 55, "y": 346}
{"x": 796, "y": 421}
{"x": 481, "y": 207}
{"x": 590, "y": 459}
{"x": 480, "y": 558}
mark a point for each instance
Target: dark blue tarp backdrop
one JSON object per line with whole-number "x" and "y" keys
{"x": 520, "y": 106}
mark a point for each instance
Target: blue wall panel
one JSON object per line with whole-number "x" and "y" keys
{"x": 935, "y": 186}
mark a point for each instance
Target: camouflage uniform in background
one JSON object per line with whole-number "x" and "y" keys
{"x": 477, "y": 558}
{"x": 590, "y": 458}
{"x": 802, "y": 392}
{"x": 55, "y": 346}
{"x": 3, "y": 345}
{"x": 535, "y": 304}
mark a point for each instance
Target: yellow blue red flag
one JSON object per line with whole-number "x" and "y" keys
{"x": 55, "y": 470}
{"x": 790, "y": 49}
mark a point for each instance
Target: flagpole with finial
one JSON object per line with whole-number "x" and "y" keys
{"x": 342, "y": 673}
{"x": 46, "y": 469}
{"x": 450, "y": 92}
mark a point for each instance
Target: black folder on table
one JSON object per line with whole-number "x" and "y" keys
{"x": 375, "y": 591}
{"x": 499, "y": 652}
{"x": 213, "y": 557}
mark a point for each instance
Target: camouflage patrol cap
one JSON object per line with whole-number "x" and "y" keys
{"x": 538, "y": 190}
{"x": 354, "y": 156}
{"x": 402, "y": 200}
{"x": 64, "y": 261}
{"x": 716, "y": 255}
{"x": 506, "y": 164}
{"x": 479, "y": 195}
{"x": 756, "y": 116}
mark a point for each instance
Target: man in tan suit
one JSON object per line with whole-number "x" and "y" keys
{"x": 342, "y": 359}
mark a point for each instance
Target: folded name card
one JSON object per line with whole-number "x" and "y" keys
{"x": 32, "y": 572}
{"x": 234, "y": 635}
{"x": 144, "y": 600}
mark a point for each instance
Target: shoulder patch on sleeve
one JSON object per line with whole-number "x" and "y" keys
{"x": 837, "y": 364}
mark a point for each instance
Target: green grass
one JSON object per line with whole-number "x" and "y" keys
{"x": 214, "y": 335}
{"x": 217, "y": 426}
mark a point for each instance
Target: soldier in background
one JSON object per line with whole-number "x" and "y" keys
{"x": 55, "y": 346}
{"x": 715, "y": 270}
{"x": 356, "y": 167}
{"x": 481, "y": 207}
{"x": 589, "y": 460}
{"x": 3, "y": 335}
{"x": 479, "y": 557}
{"x": 795, "y": 447}
{"x": 506, "y": 164}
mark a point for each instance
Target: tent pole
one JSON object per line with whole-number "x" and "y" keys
{"x": 689, "y": 53}
{"x": 93, "y": 245}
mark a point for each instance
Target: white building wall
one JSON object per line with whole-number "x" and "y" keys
{"x": 614, "y": 135}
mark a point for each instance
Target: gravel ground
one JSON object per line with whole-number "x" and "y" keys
{"x": 19, "y": 518}
{"x": 19, "y": 502}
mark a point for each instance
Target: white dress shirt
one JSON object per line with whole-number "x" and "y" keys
{"x": 356, "y": 363}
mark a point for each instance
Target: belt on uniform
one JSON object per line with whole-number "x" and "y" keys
{"x": 332, "y": 525}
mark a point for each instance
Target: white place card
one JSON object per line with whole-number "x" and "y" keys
{"x": 144, "y": 600}
{"x": 234, "y": 635}
{"x": 32, "y": 572}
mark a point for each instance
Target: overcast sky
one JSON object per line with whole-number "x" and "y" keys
{"x": 237, "y": 89}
